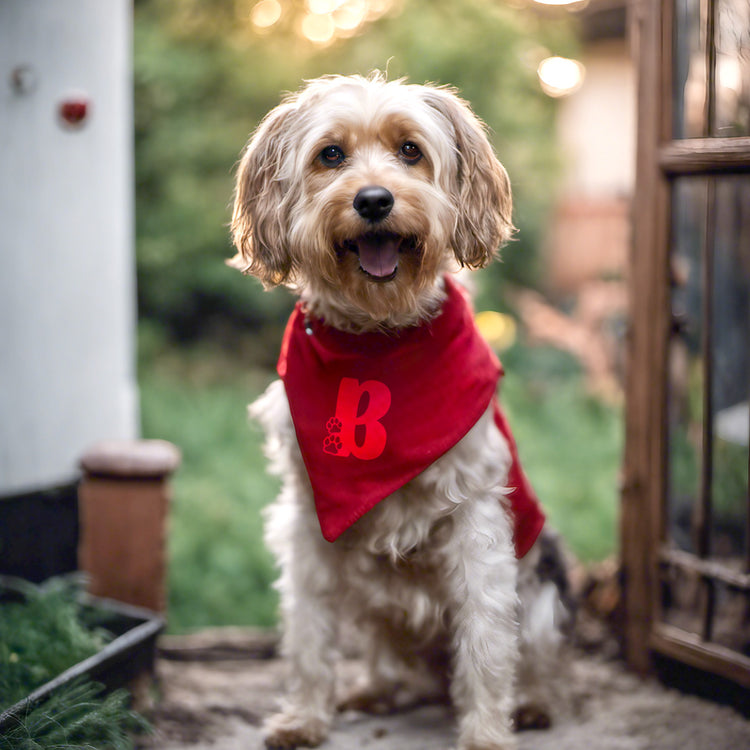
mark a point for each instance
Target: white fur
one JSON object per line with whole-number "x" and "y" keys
{"x": 433, "y": 561}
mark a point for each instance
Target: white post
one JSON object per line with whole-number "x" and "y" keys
{"x": 67, "y": 286}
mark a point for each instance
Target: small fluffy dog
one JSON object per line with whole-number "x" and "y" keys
{"x": 403, "y": 507}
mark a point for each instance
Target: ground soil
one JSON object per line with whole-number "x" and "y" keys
{"x": 216, "y": 687}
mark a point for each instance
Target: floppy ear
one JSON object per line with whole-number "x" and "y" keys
{"x": 483, "y": 196}
{"x": 258, "y": 226}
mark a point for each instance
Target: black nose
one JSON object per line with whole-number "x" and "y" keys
{"x": 373, "y": 203}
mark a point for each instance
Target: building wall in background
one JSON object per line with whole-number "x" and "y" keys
{"x": 596, "y": 124}
{"x": 589, "y": 234}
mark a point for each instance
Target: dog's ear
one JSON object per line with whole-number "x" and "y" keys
{"x": 482, "y": 188}
{"x": 258, "y": 224}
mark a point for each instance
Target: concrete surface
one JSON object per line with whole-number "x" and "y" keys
{"x": 216, "y": 698}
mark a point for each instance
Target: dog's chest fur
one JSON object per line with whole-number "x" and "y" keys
{"x": 398, "y": 556}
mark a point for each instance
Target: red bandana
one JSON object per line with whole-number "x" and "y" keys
{"x": 373, "y": 410}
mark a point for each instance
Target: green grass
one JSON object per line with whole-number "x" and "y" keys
{"x": 41, "y": 636}
{"x": 219, "y": 570}
{"x": 570, "y": 445}
{"x": 77, "y": 716}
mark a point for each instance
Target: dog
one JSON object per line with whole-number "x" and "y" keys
{"x": 403, "y": 508}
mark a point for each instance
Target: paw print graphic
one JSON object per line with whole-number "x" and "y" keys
{"x": 332, "y": 444}
{"x": 333, "y": 425}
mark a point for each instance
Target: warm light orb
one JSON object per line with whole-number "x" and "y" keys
{"x": 322, "y": 7}
{"x": 498, "y": 329}
{"x": 560, "y": 76}
{"x": 319, "y": 29}
{"x": 319, "y": 21}
{"x": 265, "y": 13}
{"x": 350, "y": 15}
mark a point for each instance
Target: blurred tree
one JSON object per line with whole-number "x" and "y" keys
{"x": 204, "y": 76}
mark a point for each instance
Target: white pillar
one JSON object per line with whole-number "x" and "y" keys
{"x": 67, "y": 277}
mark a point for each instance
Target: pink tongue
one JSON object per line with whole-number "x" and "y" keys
{"x": 378, "y": 256}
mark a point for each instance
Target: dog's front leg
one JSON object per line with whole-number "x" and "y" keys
{"x": 309, "y": 625}
{"x": 484, "y": 626}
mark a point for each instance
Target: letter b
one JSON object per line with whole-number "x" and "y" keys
{"x": 372, "y": 433}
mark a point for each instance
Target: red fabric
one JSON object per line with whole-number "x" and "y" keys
{"x": 373, "y": 410}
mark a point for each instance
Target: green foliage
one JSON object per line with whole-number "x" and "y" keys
{"x": 203, "y": 80}
{"x": 729, "y": 477}
{"x": 220, "y": 572}
{"x": 41, "y": 637}
{"x": 570, "y": 445}
{"x": 729, "y": 490}
{"x": 76, "y": 717}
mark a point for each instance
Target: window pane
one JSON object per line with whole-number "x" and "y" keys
{"x": 731, "y": 368}
{"x": 686, "y": 372}
{"x": 732, "y": 68}
{"x": 731, "y": 626}
{"x": 690, "y": 68}
{"x": 725, "y": 459}
{"x": 682, "y": 597}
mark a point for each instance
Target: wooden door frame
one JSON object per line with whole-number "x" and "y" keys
{"x": 659, "y": 160}
{"x": 642, "y": 490}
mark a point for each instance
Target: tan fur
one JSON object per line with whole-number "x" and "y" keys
{"x": 428, "y": 575}
{"x": 290, "y": 213}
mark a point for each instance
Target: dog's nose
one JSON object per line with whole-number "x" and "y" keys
{"x": 373, "y": 203}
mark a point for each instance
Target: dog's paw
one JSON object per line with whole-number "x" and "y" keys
{"x": 531, "y": 716}
{"x": 286, "y": 731}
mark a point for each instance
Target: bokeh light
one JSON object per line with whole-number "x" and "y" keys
{"x": 560, "y": 76}
{"x": 265, "y": 13}
{"x": 317, "y": 28}
{"x": 319, "y": 21}
{"x": 498, "y": 329}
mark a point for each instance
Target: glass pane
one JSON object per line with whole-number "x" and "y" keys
{"x": 682, "y": 598}
{"x": 731, "y": 625}
{"x": 686, "y": 371}
{"x": 732, "y": 68}
{"x": 705, "y": 607}
{"x": 731, "y": 369}
{"x": 690, "y": 68}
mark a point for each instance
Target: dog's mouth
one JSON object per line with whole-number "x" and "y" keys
{"x": 379, "y": 253}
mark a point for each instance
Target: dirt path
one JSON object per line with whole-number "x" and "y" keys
{"x": 216, "y": 689}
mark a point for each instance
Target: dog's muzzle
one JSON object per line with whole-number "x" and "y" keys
{"x": 378, "y": 251}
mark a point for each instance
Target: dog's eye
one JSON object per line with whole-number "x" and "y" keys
{"x": 410, "y": 153}
{"x": 332, "y": 156}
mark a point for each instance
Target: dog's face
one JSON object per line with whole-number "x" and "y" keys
{"x": 364, "y": 191}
